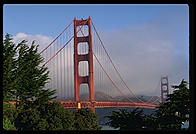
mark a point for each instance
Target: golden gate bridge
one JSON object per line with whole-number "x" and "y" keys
{"x": 79, "y": 64}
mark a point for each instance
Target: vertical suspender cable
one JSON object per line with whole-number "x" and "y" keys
{"x": 70, "y": 69}
{"x": 58, "y": 70}
{"x": 51, "y": 72}
{"x": 57, "y": 37}
{"x": 63, "y": 72}
{"x": 68, "y": 72}
{"x": 61, "y": 69}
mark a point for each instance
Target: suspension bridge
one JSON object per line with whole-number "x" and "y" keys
{"x": 81, "y": 68}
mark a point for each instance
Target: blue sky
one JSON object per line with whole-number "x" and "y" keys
{"x": 136, "y": 28}
{"x": 50, "y": 19}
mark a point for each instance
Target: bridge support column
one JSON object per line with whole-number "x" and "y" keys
{"x": 83, "y": 57}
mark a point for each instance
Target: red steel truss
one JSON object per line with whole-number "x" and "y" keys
{"x": 106, "y": 104}
{"x": 101, "y": 104}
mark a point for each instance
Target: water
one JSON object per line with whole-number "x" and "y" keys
{"x": 104, "y": 127}
{"x": 185, "y": 125}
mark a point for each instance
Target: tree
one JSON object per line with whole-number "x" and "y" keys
{"x": 9, "y": 116}
{"x": 181, "y": 98}
{"x": 176, "y": 109}
{"x": 30, "y": 78}
{"x": 49, "y": 116}
{"x": 7, "y": 124}
{"x": 57, "y": 117}
{"x": 150, "y": 122}
{"x": 28, "y": 119}
{"x": 85, "y": 119}
{"x": 9, "y": 111}
{"x": 126, "y": 120}
{"x": 9, "y": 67}
{"x": 23, "y": 80}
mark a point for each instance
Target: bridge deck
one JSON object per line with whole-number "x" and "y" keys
{"x": 106, "y": 104}
{"x": 102, "y": 104}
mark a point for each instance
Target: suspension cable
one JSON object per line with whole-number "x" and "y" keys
{"x": 112, "y": 80}
{"x": 60, "y": 49}
{"x": 155, "y": 90}
{"x": 56, "y": 37}
{"x": 114, "y": 65}
{"x": 158, "y": 99}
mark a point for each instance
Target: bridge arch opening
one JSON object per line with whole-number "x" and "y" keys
{"x": 84, "y": 30}
{"x": 83, "y": 48}
{"x": 164, "y": 81}
{"x": 84, "y": 92}
{"x": 83, "y": 68}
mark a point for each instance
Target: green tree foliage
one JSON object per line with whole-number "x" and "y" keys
{"x": 85, "y": 119}
{"x": 176, "y": 110}
{"x": 9, "y": 116}
{"x": 49, "y": 116}
{"x": 28, "y": 119}
{"x": 9, "y": 68}
{"x": 9, "y": 111}
{"x": 181, "y": 98}
{"x": 125, "y": 120}
{"x": 150, "y": 122}
{"x": 7, "y": 124}
{"x": 23, "y": 80}
{"x": 30, "y": 78}
{"x": 57, "y": 117}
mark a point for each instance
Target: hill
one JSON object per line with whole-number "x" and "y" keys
{"x": 100, "y": 96}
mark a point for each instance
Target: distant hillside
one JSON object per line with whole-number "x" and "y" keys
{"x": 142, "y": 97}
{"x": 99, "y": 96}
{"x": 102, "y": 96}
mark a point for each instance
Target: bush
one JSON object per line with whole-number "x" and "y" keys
{"x": 86, "y": 120}
{"x": 7, "y": 124}
{"x": 28, "y": 119}
{"x": 50, "y": 116}
{"x": 9, "y": 111}
{"x": 9, "y": 116}
{"x": 57, "y": 117}
{"x": 42, "y": 125}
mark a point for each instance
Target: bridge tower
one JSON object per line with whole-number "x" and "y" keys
{"x": 164, "y": 88}
{"x": 88, "y": 79}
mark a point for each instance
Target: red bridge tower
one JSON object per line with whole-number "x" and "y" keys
{"x": 83, "y": 57}
{"x": 164, "y": 88}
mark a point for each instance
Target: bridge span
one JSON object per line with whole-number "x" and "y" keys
{"x": 105, "y": 104}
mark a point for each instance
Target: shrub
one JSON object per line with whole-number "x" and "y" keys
{"x": 28, "y": 119}
{"x": 7, "y": 124}
{"x": 57, "y": 117}
{"x": 86, "y": 120}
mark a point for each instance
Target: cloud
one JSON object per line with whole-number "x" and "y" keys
{"x": 144, "y": 53}
{"x": 42, "y": 40}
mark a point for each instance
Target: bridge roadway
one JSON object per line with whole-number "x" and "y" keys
{"x": 105, "y": 104}
{"x": 101, "y": 104}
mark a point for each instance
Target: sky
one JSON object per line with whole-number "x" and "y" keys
{"x": 145, "y": 42}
